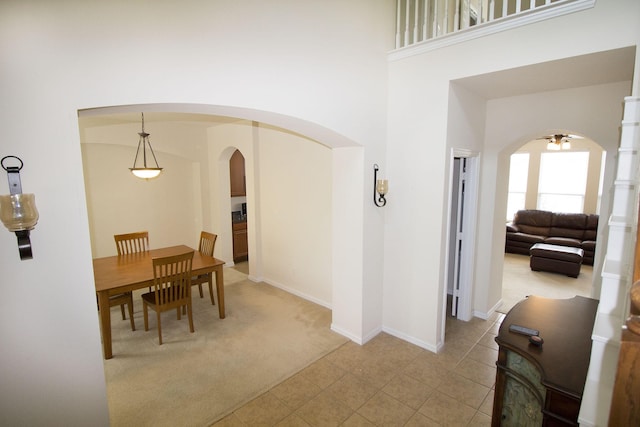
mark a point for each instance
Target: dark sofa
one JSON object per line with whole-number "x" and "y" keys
{"x": 532, "y": 226}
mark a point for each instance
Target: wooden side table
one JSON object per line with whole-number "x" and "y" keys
{"x": 542, "y": 386}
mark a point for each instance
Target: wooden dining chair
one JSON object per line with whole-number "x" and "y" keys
{"x": 130, "y": 243}
{"x": 172, "y": 289}
{"x": 127, "y": 244}
{"x": 205, "y": 247}
{"x": 122, "y": 300}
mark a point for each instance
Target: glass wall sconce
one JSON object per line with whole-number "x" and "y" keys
{"x": 17, "y": 210}
{"x": 380, "y": 188}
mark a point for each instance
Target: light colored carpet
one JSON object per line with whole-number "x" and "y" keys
{"x": 518, "y": 282}
{"x": 196, "y": 379}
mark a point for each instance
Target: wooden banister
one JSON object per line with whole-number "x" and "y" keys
{"x": 625, "y": 405}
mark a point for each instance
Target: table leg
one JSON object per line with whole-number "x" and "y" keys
{"x": 220, "y": 291}
{"x": 105, "y": 323}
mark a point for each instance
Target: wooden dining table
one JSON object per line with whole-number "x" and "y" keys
{"x": 125, "y": 273}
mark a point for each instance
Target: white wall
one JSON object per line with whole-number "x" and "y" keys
{"x": 295, "y": 214}
{"x": 419, "y": 133}
{"x": 61, "y": 57}
{"x": 118, "y": 202}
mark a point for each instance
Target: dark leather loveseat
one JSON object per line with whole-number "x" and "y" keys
{"x": 532, "y": 226}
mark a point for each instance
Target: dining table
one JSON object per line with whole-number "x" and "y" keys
{"x": 129, "y": 272}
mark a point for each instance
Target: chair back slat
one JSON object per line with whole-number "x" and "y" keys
{"x": 207, "y": 243}
{"x": 132, "y": 242}
{"x": 172, "y": 278}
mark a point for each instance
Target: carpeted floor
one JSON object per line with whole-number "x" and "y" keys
{"x": 196, "y": 379}
{"x": 518, "y": 281}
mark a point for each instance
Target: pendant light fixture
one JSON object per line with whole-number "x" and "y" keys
{"x": 145, "y": 172}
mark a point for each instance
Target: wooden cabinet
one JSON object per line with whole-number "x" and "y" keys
{"x": 542, "y": 386}
{"x": 237, "y": 175}
{"x": 240, "y": 242}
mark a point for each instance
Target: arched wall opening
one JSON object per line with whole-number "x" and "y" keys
{"x": 297, "y": 231}
{"x": 518, "y": 280}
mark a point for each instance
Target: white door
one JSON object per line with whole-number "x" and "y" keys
{"x": 458, "y": 232}
{"x": 462, "y": 224}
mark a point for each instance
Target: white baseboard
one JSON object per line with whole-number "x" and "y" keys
{"x": 432, "y": 348}
{"x": 296, "y": 292}
{"x": 484, "y": 316}
{"x": 347, "y": 334}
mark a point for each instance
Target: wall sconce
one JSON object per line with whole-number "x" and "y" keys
{"x": 17, "y": 210}
{"x": 380, "y": 188}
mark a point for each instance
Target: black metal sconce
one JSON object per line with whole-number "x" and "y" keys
{"x": 380, "y": 188}
{"x": 17, "y": 210}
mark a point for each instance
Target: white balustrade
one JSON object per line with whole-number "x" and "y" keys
{"x": 419, "y": 21}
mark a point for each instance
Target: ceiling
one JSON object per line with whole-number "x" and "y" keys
{"x": 586, "y": 70}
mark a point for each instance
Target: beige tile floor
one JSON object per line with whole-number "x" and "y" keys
{"x": 388, "y": 382}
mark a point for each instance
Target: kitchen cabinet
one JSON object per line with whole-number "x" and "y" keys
{"x": 240, "y": 242}
{"x": 237, "y": 175}
{"x": 543, "y": 386}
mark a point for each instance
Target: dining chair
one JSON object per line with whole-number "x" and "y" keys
{"x": 130, "y": 243}
{"x": 205, "y": 247}
{"x": 121, "y": 300}
{"x": 172, "y": 289}
{"x": 126, "y": 244}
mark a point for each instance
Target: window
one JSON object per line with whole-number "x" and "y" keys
{"x": 563, "y": 181}
{"x": 600, "y": 184}
{"x": 518, "y": 174}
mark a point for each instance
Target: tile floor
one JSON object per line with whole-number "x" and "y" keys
{"x": 388, "y": 382}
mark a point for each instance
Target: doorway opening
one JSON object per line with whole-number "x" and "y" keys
{"x": 238, "y": 192}
{"x": 539, "y": 181}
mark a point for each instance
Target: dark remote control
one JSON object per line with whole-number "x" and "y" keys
{"x": 523, "y": 330}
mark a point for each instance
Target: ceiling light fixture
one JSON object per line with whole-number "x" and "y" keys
{"x": 145, "y": 172}
{"x": 559, "y": 142}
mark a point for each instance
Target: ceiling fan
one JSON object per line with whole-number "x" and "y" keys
{"x": 559, "y": 141}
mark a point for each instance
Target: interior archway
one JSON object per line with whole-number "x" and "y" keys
{"x": 337, "y": 183}
{"x": 518, "y": 281}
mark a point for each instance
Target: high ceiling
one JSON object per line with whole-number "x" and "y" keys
{"x": 579, "y": 71}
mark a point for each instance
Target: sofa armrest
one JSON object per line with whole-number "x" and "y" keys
{"x": 512, "y": 228}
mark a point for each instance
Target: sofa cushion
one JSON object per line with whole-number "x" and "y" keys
{"x": 571, "y": 233}
{"x": 570, "y": 225}
{"x": 589, "y": 245}
{"x": 533, "y": 217}
{"x": 563, "y": 241}
{"x": 591, "y": 230}
{"x": 569, "y": 220}
{"x": 524, "y": 237}
{"x": 533, "y": 221}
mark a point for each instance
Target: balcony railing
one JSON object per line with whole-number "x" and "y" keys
{"x": 420, "y": 22}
